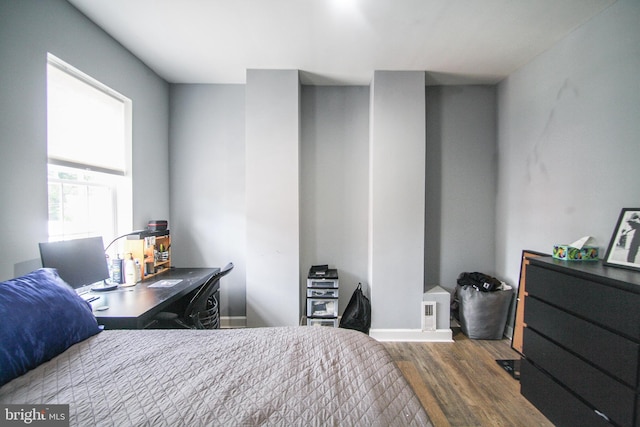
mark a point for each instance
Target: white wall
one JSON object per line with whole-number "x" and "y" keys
{"x": 569, "y": 139}
{"x": 334, "y": 177}
{"x": 28, "y": 30}
{"x": 207, "y": 171}
{"x": 461, "y": 175}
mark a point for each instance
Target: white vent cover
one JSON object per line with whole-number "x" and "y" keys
{"x": 428, "y": 315}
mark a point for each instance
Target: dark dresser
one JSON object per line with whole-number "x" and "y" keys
{"x": 582, "y": 343}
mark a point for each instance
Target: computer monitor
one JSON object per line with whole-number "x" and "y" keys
{"x": 80, "y": 262}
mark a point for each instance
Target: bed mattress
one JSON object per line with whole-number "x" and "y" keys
{"x": 245, "y": 377}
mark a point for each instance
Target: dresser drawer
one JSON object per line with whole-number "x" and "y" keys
{"x": 613, "y": 353}
{"x": 322, "y": 283}
{"x": 322, "y": 322}
{"x": 322, "y": 293}
{"x": 546, "y": 394}
{"x": 606, "y": 305}
{"x": 322, "y": 307}
{"x": 610, "y": 397}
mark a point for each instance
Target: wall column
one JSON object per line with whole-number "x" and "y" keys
{"x": 396, "y": 186}
{"x": 272, "y": 197}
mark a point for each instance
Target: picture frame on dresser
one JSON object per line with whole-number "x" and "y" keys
{"x": 623, "y": 250}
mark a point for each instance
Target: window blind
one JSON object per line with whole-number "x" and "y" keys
{"x": 85, "y": 124}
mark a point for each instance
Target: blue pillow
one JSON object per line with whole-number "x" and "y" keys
{"x": 40, "y": 317}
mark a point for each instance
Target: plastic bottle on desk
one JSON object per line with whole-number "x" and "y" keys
{"x": 116, "y": 270}
{"x": 138, "y": 270}
{"x": 130, "y": 271}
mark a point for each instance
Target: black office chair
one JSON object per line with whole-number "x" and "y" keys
{"x": 202, "y": 311}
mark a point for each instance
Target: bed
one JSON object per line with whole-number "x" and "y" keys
{"x": 265, "y": 376}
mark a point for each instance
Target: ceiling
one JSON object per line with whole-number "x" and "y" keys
{"x": 338, "y": 42}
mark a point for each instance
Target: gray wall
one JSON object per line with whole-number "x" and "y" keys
{"x": 28, "y": 30}
{"x": 207, "y": 122}
{"x": 567, "y": 135}
{"x": 334, "y": 179}
{"x": 569, "y": 139}
{"x": 272, "y": 173}
{"x": 461, "y": 175}
{"x": 208, "y": 184}
{"x": 397, "y": 145}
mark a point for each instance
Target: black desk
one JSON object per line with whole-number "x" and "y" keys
{"x": 133, "y": 307}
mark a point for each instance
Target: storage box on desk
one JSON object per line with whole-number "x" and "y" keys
{"x": 157, "y": 225}
{"x": 569, "y": 253}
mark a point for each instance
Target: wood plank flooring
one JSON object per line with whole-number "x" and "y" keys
{"x": 460, "y": 384}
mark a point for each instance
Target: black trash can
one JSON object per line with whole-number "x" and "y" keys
{"x": 483, "y": 315}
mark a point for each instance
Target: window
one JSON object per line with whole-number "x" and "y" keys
{"x": 89, "y": 156}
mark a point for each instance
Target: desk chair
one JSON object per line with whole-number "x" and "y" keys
{"x": 203, "y": 310}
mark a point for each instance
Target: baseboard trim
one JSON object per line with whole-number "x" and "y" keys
{"x": 508, "y": 332}
{"x": 406, "y": 335}
{"x": 412, "y": 335}
{"x": 233, "y": 322}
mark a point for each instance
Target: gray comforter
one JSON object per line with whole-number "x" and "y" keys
{"x": 303, "y": 376}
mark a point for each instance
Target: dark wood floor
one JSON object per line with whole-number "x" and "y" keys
{"x": 460, "y": 383}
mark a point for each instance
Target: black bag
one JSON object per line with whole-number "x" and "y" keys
{"x": 357, "y": 315}
{"x": 480, "y": 281}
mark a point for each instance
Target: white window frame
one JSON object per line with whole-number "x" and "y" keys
{"x": 120, "y": 182}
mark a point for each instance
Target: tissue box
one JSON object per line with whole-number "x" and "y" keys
{"x": 569, "y": 253}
